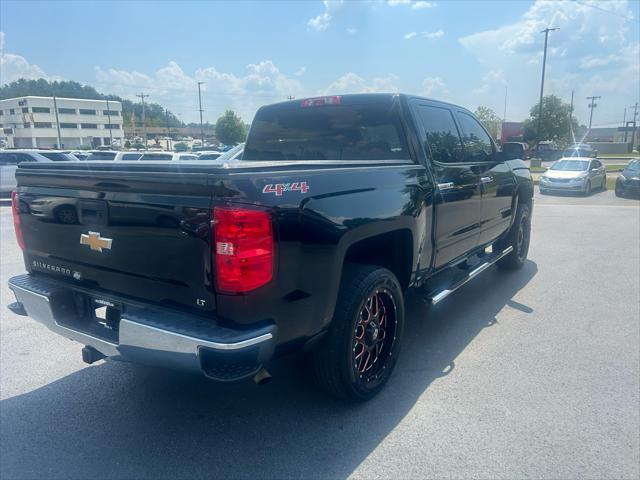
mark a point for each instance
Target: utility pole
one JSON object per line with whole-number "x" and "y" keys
{"x": 624, "y": 124}
{"x": 572, "y": 138}
{"x": 633, "y": 132}
{"x": 592, "y": 105}
{"x": 166, "y": 113}
{"x": 109, "y": 117}
{"x": 200, "y": 103}
{"x": 290, "y": 97}
{"x": 504, "y": 115}
{"x": 55, "y": 107}
{"x": 144, "y": 123}
{"x": 544, "y": 65}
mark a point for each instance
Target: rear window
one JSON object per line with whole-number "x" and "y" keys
{"x": 101, "y": 156}
{"x": 348, "y": 131}
{"x": 131, "y": 156}
{"x": 156, "y": 156}
{"x": 188, "y": 157}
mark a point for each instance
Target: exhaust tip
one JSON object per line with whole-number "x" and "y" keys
{"x": 262, "y": 377}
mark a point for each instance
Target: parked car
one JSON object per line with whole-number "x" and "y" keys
{"x": 580, "y": 150}
{"x": 628, "y": 182}
{"x": 547, "y": 151}
{"x": 339, "y": 206}
{"x": 9, "y": 160}
{"x": 167, "y": 156}
{"x": 515, "y": 150}
{"x": 58, "y": 155}
{"x": 574, "y": 175}
{"x": 101, "y": 155}
{"x": 79, "y": 154}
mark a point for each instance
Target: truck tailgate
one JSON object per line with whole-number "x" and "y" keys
{"x": 143, "y": 235}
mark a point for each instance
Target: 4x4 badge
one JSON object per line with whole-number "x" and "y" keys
{"x": 95, "y": 241}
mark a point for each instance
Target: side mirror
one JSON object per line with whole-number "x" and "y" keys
{"x": 594, "y": 169}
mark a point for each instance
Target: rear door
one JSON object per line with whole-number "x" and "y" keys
{"x": 458, "y": 200}
{"x": 496, "y": 179}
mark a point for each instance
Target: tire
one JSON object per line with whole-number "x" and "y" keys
{"x": 587, "y": 189}
{"x": 619, "y": 193}
{"x": 339, "y": 363}
{"x": 518, "y": 237}
{"x": 543, "y": 191}
{"x": 604, "y": 183}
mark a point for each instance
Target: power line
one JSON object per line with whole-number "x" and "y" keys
{"x": 200, "y": 103}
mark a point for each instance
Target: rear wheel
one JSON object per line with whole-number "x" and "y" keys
{"x": 357, "y": 356}
{"x": 518, "y": 237}
{"x": 619, "y": 192}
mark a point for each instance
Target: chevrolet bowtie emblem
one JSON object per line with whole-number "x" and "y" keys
{"x": 95, "y": 241}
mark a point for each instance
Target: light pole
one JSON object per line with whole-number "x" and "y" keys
{"x": 200, "y": 103}
{"x": 544, "y": 64}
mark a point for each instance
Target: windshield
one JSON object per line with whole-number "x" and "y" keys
{"x": 350, "y": 131}
{"x": 101, "y": 156}
{"x": 634, "y": 165}
{"x": 571, "y": 165}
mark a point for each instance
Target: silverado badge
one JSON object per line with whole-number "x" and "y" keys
{"x": 95, "y": 241}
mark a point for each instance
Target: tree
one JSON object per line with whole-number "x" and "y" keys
{"x": 489, "y": 119}
{"x": 557, "y": 122}
{"x": 230, "y": 129}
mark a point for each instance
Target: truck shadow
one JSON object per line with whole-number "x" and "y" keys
{"x": 115, "y": 420}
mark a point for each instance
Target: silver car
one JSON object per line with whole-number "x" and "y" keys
{"x": 575, "y": 174}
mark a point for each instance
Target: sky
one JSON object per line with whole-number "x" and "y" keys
{"x": 251, "y": 53}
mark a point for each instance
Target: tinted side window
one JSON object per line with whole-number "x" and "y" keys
{"x": 596, "y": 164}
{"x": 8, "y": 159}
{"x": 442, "y": 138}
{"x": 477, "y": 143}
{"x": 23, "y": 157}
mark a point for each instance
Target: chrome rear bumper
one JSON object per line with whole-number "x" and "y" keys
{"x": 149, "y": 334}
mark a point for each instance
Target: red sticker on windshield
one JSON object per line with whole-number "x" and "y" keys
{"x": 280, "y": 188}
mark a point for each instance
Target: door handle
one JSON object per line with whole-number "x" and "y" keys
{"x": 445, "y": 186}
{"x": 486, "y": 179}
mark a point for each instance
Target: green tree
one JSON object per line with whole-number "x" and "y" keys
{"x": 230, "y": 129}
{"x": 489, "y": 119}
{"x": 557, "y": 122}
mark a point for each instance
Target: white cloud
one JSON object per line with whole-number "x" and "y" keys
{"x": 352, "y": 83}
{"x": 395, "y": 3}
{"x": 262, "y": 83}
{"x": 492, "y": 80}
{"x": 13, "y": 67}
{"x": 1, "y": 40}
{"x": 301, "y": 71}
{"x": 410, "y": 35}
{"x": 434, "y": 86}
{"x": 322, "y": 21}
{"x": 352, "y": 30}
{"x": 593, "y": 52}
{"x": 436, "y": 34}
{"x": 420, "y": 4}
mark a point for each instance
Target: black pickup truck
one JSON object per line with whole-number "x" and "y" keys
{"x": 339, "y": 205}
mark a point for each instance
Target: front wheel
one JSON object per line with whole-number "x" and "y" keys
{"x": 587, "y": 189}
{"x": 518, "y": 237}
{"x": 359, "y": 352}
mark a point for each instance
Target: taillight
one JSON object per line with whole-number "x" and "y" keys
{"x": 244, "y": 250}
{"x": 321, "y": 101}
{"x": 15, "y": 208}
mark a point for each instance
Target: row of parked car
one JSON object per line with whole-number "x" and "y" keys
{"x": 547, "y": 151}
{"x": 9, "y": 159}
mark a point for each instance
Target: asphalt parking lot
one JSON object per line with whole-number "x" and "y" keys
{"x": 534, "y": 373}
